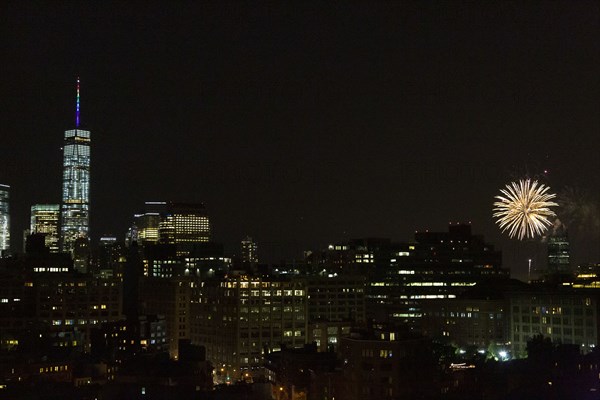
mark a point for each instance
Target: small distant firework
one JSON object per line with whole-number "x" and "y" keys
{"x": 524, "y": 209}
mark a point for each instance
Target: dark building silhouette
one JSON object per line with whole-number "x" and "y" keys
{"x": 304, "y": 373}
{"x": 131, "y": 277}
{"x": 479, "y": 317}
{"x": 559, "y": 254}
{"x": 386, "y": 365}
{"x": 249, "y": 254}
{"x": 435, "y": 266}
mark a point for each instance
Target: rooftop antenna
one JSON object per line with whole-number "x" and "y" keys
{"x": 77, "y": 106}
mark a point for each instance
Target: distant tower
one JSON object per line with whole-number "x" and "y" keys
{"x": 149, "y": 221}
{"x": 44, "y": 220}
{"x": 111, "y": 256}
{"x": 132, "y": 235}
{"x": 81, "y": 254}
{"x": 75, "y": 205}
{"x": 4, "y": 221}
{"x": 558, "y": 254}
{"x": 249, "y": 253}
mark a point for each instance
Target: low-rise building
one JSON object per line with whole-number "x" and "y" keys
{"x": 171, "y": 298}
{"x": 385, "y": 365}
{"x": 567, "y": 316}
{"x": 241, "y": 319}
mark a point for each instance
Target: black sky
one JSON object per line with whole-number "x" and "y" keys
{"x": 302, "y": 124}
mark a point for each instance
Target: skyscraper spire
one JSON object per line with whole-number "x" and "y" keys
{"x": 77, "y": 106}
{"x": 75, "y": 206}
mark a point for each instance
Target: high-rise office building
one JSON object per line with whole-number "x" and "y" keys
{"x": 185, "y": 225}
{"x": 148, "y": 222}
{"x": 249, "y": 253}
{"x": 44, "y": 220}
{"x": 76, "y": 184}
{"x": 170, "y": 297}
{"x": 4, "y": 220}
{"x": 558, "y": 254}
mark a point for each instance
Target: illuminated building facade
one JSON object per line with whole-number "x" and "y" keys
{"x": 587, "y": 276}
{"x": 565, "y": 316}
{"x": 45, "y": 220}
{"x": 72, "y": 305}
{"x": 148, "y": 222}
{"x": 76, "y": 184}
{"x": 185, "y": 225}
{"x": 4, "y": 220}
{"x": 241, "y": 319}
{"x": 160, "y": 261}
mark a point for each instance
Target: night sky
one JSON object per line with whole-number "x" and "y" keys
{"x": 305, "y": 124}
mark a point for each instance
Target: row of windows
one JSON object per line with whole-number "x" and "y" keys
{"x": 244, "y": 310}
{"x": 457, "y": 314}
{"x": 264, "y": 317}
{"x": 266, "y": 293}
{"x": 526, "y": 302}
{"x": 58, "y": 368}
{"x": 558, "y": 310}
{"x": 257, "y": 284}
{"x": 553, "y": 320}
{"x": 58, "y": 322}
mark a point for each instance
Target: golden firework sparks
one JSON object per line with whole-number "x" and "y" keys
{"x": 524, "y": 209}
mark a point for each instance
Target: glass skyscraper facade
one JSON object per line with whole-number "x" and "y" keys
{"x": 75, "y": 205}
{"x": 4, "y": 220}
{"x": 76, "y": 187}
{"x": 44, "y": 220}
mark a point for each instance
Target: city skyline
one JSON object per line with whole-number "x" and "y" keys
{"x": 306, "y": 125}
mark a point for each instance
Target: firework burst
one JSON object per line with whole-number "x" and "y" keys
{"x": 524, "y": 208}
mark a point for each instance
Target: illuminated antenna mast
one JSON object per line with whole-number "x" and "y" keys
{"x": 77, "y": 107}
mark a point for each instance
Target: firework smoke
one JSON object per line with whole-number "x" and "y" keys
{"x": 579, "y": 210}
